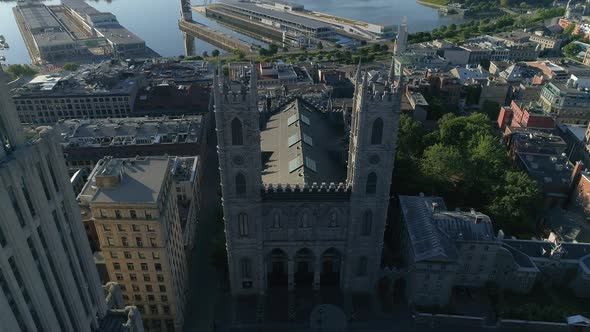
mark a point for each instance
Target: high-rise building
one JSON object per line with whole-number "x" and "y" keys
{"x": 299, "y": 210}
{"x": 48, "y": 281}
{"x": 133, "y": 205}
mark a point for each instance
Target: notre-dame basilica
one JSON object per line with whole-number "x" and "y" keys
{"x": 305, "y": 191}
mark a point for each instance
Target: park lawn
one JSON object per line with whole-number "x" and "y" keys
{"x": 436, "y": 2}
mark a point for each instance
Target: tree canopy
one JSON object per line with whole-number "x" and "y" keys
{"x": 464, "y": 163}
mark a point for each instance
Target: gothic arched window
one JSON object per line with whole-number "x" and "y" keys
{"x": 276, "y": 220}
{"x": 237, "y": 135}
{"x": 243, "y": 224}
{"x": 333, "y": 219}
{"x": 240, "y": 184}
{"x": 377, "y": 131}
{"x": 371, "y": 187}
{"x": 246, "y": 268}
{"x": 304, "y": 222}
{"x": 367, "y": 223}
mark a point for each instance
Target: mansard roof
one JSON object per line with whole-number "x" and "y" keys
{"x": 301, "y": 145}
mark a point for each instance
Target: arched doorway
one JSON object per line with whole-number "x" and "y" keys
{"x": 304, "y": 268}
{"x": 277, "y": 269}
{"x": 330, "y": 274}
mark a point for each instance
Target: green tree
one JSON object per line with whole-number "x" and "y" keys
{"x": 239, "y": 54}
{"x": 71, "y": 66}
{"x": 453, "y": 27}
{"x": 320, "y": 46}
{"x": 444, "y": 165}
{"x": 16, "y": 71}
{"x": 569, "y": 29}
{"x": 338, "y": 46}
{"x": 215, "y": 53}
{"x": 572, "y": 49}
{"x": 205, "y": 54}
{"x": 516, "y": 203}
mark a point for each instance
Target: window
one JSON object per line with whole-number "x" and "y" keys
{"x": 151, "y": 298}
{"x": 153, "y": 242}
{"x": 155, "y": 255}
{"x": 133, "y": 214}
{"x": 116, "y": 266}
{"x": 158, "y": 266}
{"x": 166, "y": 309}
{"x": 144, "y": 266}
{"x": 140, "y": 308}
{"x": 120, "y": 228}
{"x": 276, "y": 220}
{"x": 304, "y": 221}
{"x": 148, "y": 216}
{"x": 118, "y": 214}
{"x": 371, "y": 187}
{"x": 137, "y": 297}
{"x": 119, "y": 276}
{"x": 110, "y": 241}
{"x": 154, "y": 310}
{"x": 127, "y": 254}
{"x": 164, "y": 298}
{"x": 103, "y": 214}
{"x": 114, "y": 254}
{"x": 125, "y": 297}
{"x": 130, "y": 267}
{"x": 28, "y": 197}
{"x": 246, "y": 268}
{"x": 237, "y": 136}
{"x": 146, "y": 277}
{"x": 16, "y": 206}
{"x": 139, "y": 241}
{"x": 106, "y": 228}
{"x": 333, "y": 219}
{"x": 240, "y": 184}
{"x": 149, "y": 288}
{"x": 135, "y": 228}
{"x": 160, "y": 277}
{"x": 367, "y": 223}
{"x": 243, "y": 224}
{"x": 362, "y": 268}
{"x": 151, "y": 228}
{"x": 135, "y": 288}
{"x": 377, "y": 131}
{"x": 133, "y": 277}
{"x": 141, "y": 255}
{"x": 43, "y": 183}
{"x": 162, "y": 288}
{"x": 124, "y": 242}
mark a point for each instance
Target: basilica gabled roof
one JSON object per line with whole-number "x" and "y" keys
{"x": 302, "y": 145}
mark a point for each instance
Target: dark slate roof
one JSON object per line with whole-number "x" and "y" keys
{"x": 534, "y": 248}
{"x": 519, "y": 257}
{"x": 302, "y": 145}
{"x": 427, "y": 241}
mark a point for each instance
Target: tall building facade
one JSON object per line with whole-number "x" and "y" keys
{"x": 48, "y": 281}
{"x": 301, "y": 208}
{"x": 132, "y": 203}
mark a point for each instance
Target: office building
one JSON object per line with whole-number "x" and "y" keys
{"x": 133, "y": 205}
{"x": 85, "y": 142}
{"x": 48, "y": 281}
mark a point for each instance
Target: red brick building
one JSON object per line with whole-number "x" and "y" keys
{"x": 517, "y": 115}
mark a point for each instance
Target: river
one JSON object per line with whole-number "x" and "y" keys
{"x": 156, "y": 21}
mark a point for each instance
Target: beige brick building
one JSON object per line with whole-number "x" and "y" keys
{"x": 133, "y": 205}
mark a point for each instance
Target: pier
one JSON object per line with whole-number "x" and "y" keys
{"x": 214, "y": 37}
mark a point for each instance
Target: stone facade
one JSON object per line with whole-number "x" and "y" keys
{"x": 310, "y": 230}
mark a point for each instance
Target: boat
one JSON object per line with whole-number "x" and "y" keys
{"x": 6, "y": 46}
{"x": 2, "y": 40}
{"x": 2, "y": 58}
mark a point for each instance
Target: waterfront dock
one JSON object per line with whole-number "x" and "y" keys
{"x": 214, "y": 37}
